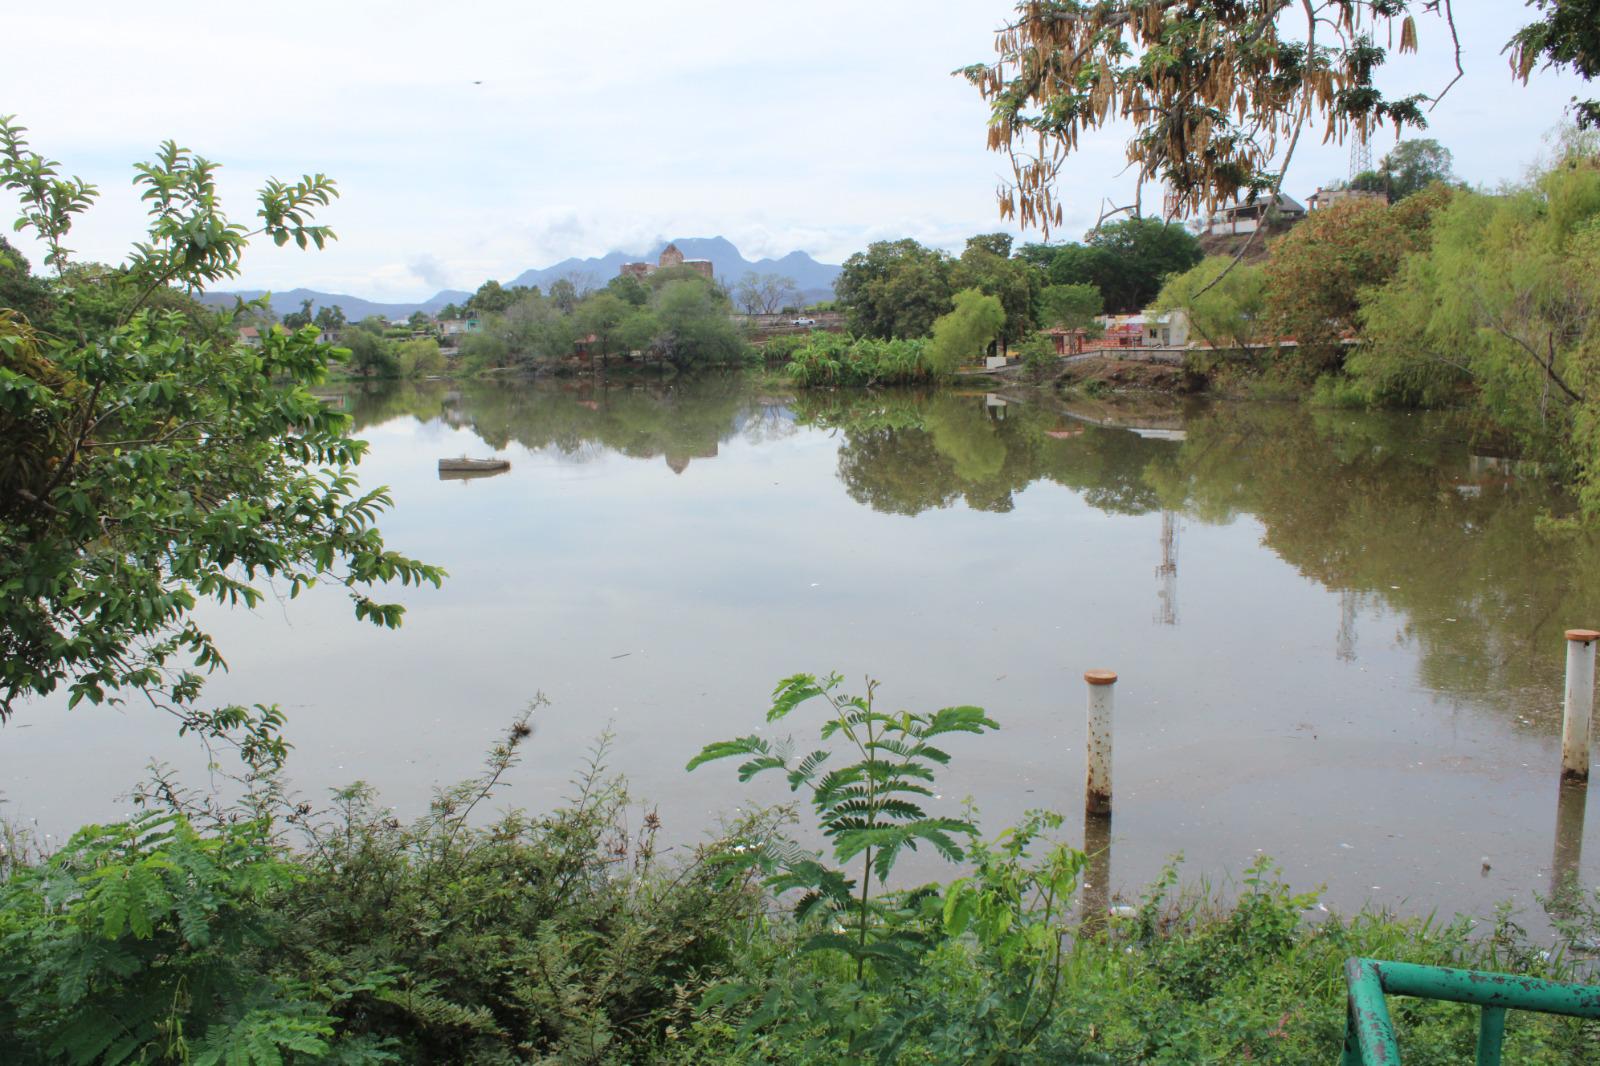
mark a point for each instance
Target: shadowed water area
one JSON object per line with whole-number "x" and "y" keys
{"x": 1339, "y": 635}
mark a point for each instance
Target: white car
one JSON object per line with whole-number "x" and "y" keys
{"x": 803, "y": 322}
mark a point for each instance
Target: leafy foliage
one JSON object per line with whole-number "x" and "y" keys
{"x": 153, "y": 460}
{"x": 895, "y": 289}
{"x": 1225, "y": 302}
{"x": 1317, "y": 270}
{"x": 1219, "y": 93}
{"x": 829, "y": 359}
{"x": 871, "y": 808}
{"x": 1566, "y": 35}
{"x": 1504, "y": 303}
{"x": 961, "y": 336}
{"x": 1213, "y": 90}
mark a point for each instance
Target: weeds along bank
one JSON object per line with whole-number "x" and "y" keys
{"x": 274, "y": 931}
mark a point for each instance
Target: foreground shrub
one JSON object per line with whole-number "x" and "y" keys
{"x": 560, "y": 937}
{"x": 197, "y": 934}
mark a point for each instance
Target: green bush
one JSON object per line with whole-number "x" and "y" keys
{"x": 834, "y": 359}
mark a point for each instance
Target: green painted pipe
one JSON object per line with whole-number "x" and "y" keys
{"x": 1488, "y": 989}
{"x": 1491, "y": 1034}
{"x": 1369, "y": 1033}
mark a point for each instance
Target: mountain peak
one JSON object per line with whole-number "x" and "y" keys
{"x": 814, "y": 279}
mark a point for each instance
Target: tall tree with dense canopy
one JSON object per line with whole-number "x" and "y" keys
{"x": 1126, "y": 259}
{"x": 151, "y": 464}
{"x": 894, "y": 289}
{"x": 1413, "y": 165}
{"x": 986, "y": 265}
{"x": 1317, "y": 270}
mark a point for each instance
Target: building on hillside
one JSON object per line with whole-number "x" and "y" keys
{"x": 1247, "y": 217}
{"x": 670, "y": 257}
{"x": 450, "y": 328}
{"x": 1328, "y": 197}
{"x": 250, "y": 335}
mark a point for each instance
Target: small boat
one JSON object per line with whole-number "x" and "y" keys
{"x": 464, "y": 465}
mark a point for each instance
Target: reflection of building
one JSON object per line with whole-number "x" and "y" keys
{"x": 670, "y": 257}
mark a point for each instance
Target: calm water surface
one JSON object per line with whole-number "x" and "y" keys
{"x": 1340, "y": 639}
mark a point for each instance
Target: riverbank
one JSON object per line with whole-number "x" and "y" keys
{"x": 339, "y": 932}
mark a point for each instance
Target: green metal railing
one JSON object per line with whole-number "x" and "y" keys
{"x": 1369, "y": 1035}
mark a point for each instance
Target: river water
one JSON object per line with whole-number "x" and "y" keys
{"x": 1339, "y": 635}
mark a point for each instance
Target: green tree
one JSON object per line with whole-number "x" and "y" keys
{"x": 534, "y": 328}
{"x": 964, "y": 333}
{"x": 482, "y": 350}
{"x": 1137, "y": 255}
{"x": 376, "y": 325}
{"x": 149, "y": 467}
{"x": 629, "y": 288}
{"x": 1218, "y": 94}
{"x": 1317, "y": 270}
{"x": 419, "y": 320}
{"x": 1224, "y": 301}
{"x": 490, "y": 299}
{"x": 298, "y": 319}
{"x": 601, "y": 316}
{"x": 419, "y": 358}
{"x": 986, "y": 265}
{"x": 20, "y": 291}
{"x": 449, "y": 311}
{"x": 1070, "y": 306}
{"x": 694, "y": 327}
{"x": 1414, "y": 165}
{"x": 1503, "y": 303}
{"x": 330, "y": 319}
{"x": 894, "y": 289}
{"x": 564, "y": 294}
{"x": 371, "y": 354}
{"x": 637, "y": 332}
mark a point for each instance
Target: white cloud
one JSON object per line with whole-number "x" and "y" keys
{"x": 817, "y": 128}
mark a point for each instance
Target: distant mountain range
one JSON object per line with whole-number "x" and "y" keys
{"x": 813, "y": 279}
{"x": 354, "y": 307}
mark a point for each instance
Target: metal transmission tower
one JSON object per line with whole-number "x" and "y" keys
{"x": 1167, "y": 594}
{"x": 1360, "y": 154}
{"x": 1345, "y": 644}
{"x": 1360, "y": 147}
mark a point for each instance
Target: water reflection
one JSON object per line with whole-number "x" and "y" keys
{"x": 679, "y": 422}
{"x": 1567, "y": 861}
{"x": 1361, "y": 676}
{"x": 1396, "y": 513}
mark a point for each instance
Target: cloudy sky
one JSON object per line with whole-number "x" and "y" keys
{"x": 478, "y": 139}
